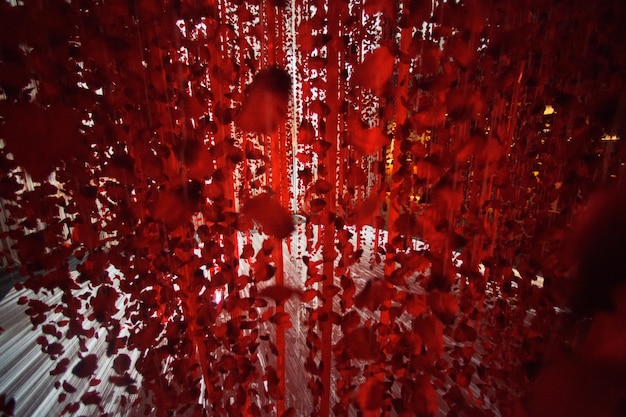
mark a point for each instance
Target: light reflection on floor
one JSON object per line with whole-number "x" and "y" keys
{"x": 24, "y": 369}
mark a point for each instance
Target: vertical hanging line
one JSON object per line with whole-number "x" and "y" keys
{"x": 296, "y": 108}
{"x": 278, "y": 157}
{"x": 328, "y": 248}
{"x": 189, "y": 304}
{"x": 262, "y": 22}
